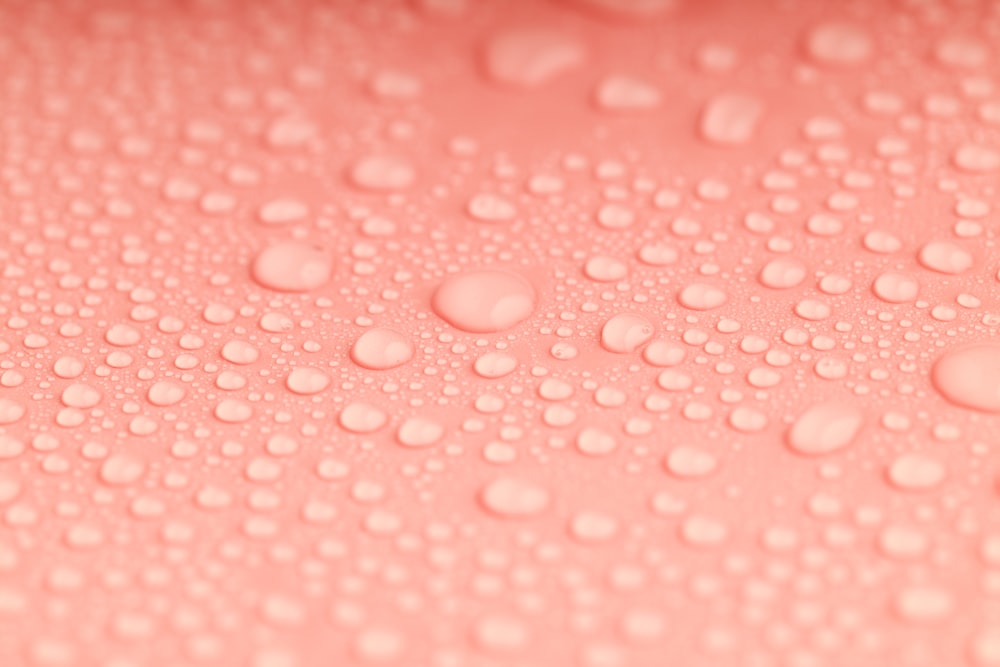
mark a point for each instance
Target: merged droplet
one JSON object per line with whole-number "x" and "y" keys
{"x": 945, "y": 257}
{"x": 702, "y": 296}
{"x": 382, "y": 173}
{"x": 484, "y": 301}
{"x": 783, "y": 273}
{"x": 626, "y": 93}
{"x": 970, "y": 376}
{"x": 382, "y": 349}
{"x": 825, "y": 428}
{"x": 307, "y": 381}
{"x": 292, "y": 266}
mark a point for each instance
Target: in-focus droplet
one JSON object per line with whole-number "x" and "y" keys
{"x": 484, "y": 301}
{"x": 292, "y": 266}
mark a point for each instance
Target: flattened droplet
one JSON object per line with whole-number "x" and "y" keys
{"x": 382, "y": 349}
{"x": 382, "y": 173}
{"x": 839, "y": 43}
{"x": 292, "y": 266}
{"x": 976, "y": 158}
{"x": 626, "y": 93}
{"x": 531, "y": 57}
{"x": 701, "y": 296}
{"x": 514, "y": 498}
{"x": 362, "y": 418}
{"x": 484, "y": 301}
{"x": 896, "y": 287}
{"x": 945, "y": 257}
{"x": 730, "y": 119}
{"x": 825, "y": 428}
{"x": 626, "y": 333}
{"x": 783, "y": 273}
{"x": 419, "y": 432}
{"x": 307, "y": 381}
{"x": 970, "y": 377}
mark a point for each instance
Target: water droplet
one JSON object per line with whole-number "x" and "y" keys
{"x": 484, "y": 301}
{"x": 307, "y": 381}
{"x": 511, "y": 497}
{"x": 593, "y": 441}
{"x": 783, "y": 273}
{"x": 495, "y": 365}
{"x": 626, "y": 333}
{"x": 362, "y": 418}
{"x": 945, "y": 257}
{"x": 382, "y": 173}
{"x": 625, "y": 93}
{"x": 419, "y": 432}
{"x": 976, "y": 158}
{"x": 970, "y": 376}
{"x": 382, "y": 349}
{"x": 916, "y": 472}
{"x": 731, "y": 119}
{"x": 531, "y": 57}
{"x": 491, "y": 208}
{"x": 896, "y": 287}
{"x": 825, "y": 428}
{"x": 282, "y": 212}
{"x": 292, "y": 266}
{"x": 839, "y": 43}
{"x": 702, "y": 296}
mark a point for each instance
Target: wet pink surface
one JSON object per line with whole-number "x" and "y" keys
{"x": 479, "y": 333}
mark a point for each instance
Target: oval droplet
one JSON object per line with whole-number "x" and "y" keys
{"x": 970, "y": 377}
{"x": 484, "y": 301}
{"x": 381, "y": 349}
{"x": 292, "y": 266}
{"x": 825, "y": 428}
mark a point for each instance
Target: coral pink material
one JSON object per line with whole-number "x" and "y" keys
{"x": 499, "y": 333}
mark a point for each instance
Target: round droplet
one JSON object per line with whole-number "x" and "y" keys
{"x": 839, "y": 43}
{"x": 381, "y": 349}
{"x": 593, "y": 441}
{"x": 292, "y": 266}
{"x": 489, "y": 207}
{"x": 165, "y": 393}
{"x": 484, "y": 301}
{"x": 532, "y": 56}
{"x": 896, "y": 287}
{"x": 945, "y": 257}
{"x": 664, "y": 353}
{"x": 825, "y": 428}
{"x": 362, "y": 418}
{"x": 783, "y": 273}
{"x": 701, "y": 296}
{"x": 514, "y": 498}
{"x": 970, "y": 377}
{"x": 976, "y": 158}
{"x": 626, "y": 333}
{"x": 306, "y": 381}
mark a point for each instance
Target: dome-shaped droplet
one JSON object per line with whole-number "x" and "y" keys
{"x": 484, "y": 301}
{"x": 292, "y": 266}
{"x": 970, "y": 376}
{"x": 381, "y": 349}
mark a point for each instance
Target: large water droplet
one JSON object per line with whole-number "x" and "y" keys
{"x": 292, "y": 266}
{"x": 381, "y": 349}
{"x": 825, "y": 428}
{"x": 484, "y": 301}
{"x": 970, "y": 376}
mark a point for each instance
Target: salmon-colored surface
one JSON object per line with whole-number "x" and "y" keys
{"x": 486, "y": 333}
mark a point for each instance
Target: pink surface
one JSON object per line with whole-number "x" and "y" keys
{"x": 469, "y": 333}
